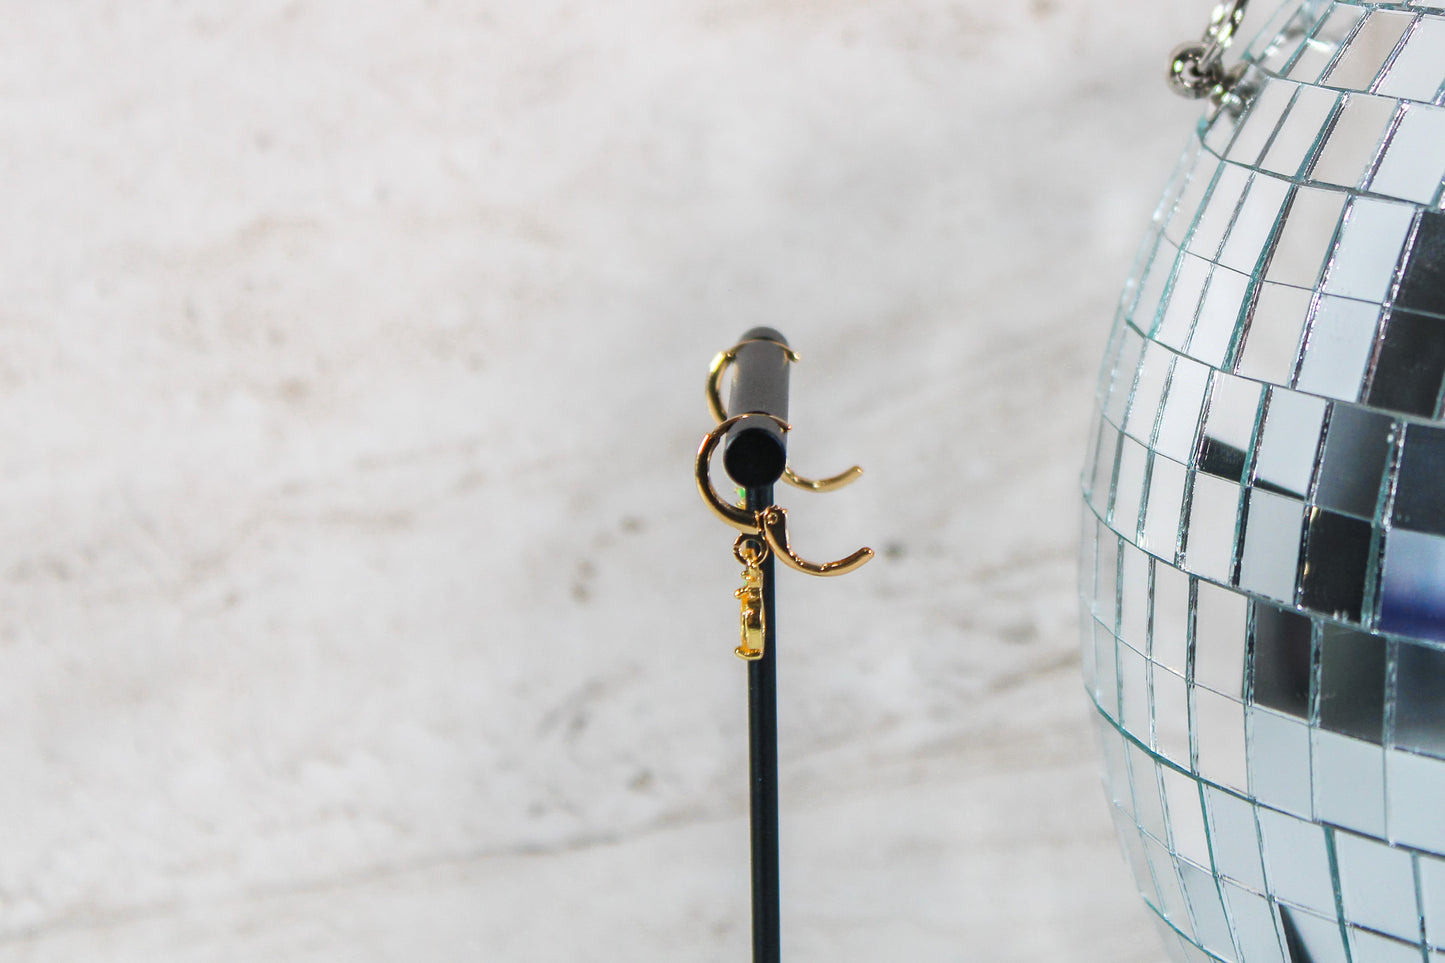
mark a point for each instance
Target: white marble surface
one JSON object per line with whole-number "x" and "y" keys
{"x": 355, "y": 603}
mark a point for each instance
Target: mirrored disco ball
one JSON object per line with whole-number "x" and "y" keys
{"x": 1263, "y": 567}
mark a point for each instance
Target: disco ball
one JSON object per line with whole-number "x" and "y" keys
{"x": 1263, "y": 571}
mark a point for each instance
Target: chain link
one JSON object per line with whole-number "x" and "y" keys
{"x": 1197, "y": 69}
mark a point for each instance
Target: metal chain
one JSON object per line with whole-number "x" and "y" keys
{"x": 1197, "y": 69}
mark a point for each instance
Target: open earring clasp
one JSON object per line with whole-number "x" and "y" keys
{"x": 715, "y": 373}
{"x": 744, "y": 521}
{"x": 771, "y": 523}
{"x": 774, "y": 523}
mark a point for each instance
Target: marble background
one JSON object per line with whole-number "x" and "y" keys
{"x": 355, "y": 603}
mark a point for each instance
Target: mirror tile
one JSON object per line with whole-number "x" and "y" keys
{"x": 1144, "y": 777}
{"x": 1338, "y": 346}
{"x": 1279, "y": 762}
{"x": 1166, "y": 500}
{"x": 1352, "y": 464}
{"x": 1218, "y": 212}
{"x": 1349, "y": 149}
{"x": 1122, "y": 375}
{"x": 1297, "y": 864}
{"x": 1145, "y": 313}
{"x": 1409, "y": 363}
{"x": 1088, "y": 561}
{"x": 1133, "y": 845}
{"x": 1418, "y": 72}
{"x": 1213, "y": 519}
{"x": 1352, "y": 683}
{"x": 1106, "y": 460}
{"x": 1374, "y": 42}
{"x": 1229, "y": 424}
{"x": 1219, "y": 315}
{"x": 1413, "y": 163}
{"x": 1086, "y": 651}
{"x": 1432, "y": 897}
{"x": 1283, "y": 660}
{"x": 1419, "y": 717}
{"x": 1338, "y": 555}
{"x": 1220, "y": 631}
{"x": 1169, "y": 201}
{"x": 1368, "y": 251}
{"x": 1129, "y": 490}
{"x": 1179, "y": 422}
{"x": 1422, "y": 280}
{"x": 1187, "y": 836}
{"x": 1134, "y": 599}
{"x": 1325, "y": 43}
{"x": 1112, "y": 747}
{"x": 1371, "y": 947}
{"x": 1266, "y": 112}
{"x": 1171, "y": 716}
{"x": 1273, "y": 534}
{"x": 1306, "y": 237}
{"x": 1234, "y": 838}
{"x": 1302, "y": 131}
{"x": 1311, "y": 937}
{"x": 1206, "y": 910}
{"x": 1169, "y": 643}
{"x": 1133, "y": 693}
{"x": 1412, "y": 585}
{"x": 1259, "y": 214}
{"x": 1106, "y": 671}
{"x": 1414, "y": 786}
{"x": 1289, "y": 443}
{"x": 1196, "y": 189}
{"x": 1217, "y": 728}
{"x": 1173, "y": 946}
{"x": 1272, "y": 340}
{"x": 1176, "y": 323}
{"x": 1148, "y": 391}
{"x": 1254, "y": 924}
{"x": 1377, "y": 886}
{"x": 1166, "y": 881}
{"x": 1280, "y": 38}
{"x": 1349, "y": 778}
{"x": 1106, "y": 578}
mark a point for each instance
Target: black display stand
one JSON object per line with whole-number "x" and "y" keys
{"x": 763, "y": 766}
{"x": 755, "y": 457}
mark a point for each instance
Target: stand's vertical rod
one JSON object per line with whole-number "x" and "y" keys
{"x": 763, "y": 766}
{"x": 755, "y": 456}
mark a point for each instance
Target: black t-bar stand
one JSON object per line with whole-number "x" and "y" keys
{"x": 755, "y": 457}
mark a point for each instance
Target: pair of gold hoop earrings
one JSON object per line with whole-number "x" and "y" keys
{"x": 771, "y": 523}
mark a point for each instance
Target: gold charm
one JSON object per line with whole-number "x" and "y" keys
{"x": 752, "y": 620}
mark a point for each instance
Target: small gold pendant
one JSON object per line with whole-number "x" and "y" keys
{"x": 752, "y": 619}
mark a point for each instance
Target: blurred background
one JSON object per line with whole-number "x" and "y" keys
{"x": 355, "y": 601}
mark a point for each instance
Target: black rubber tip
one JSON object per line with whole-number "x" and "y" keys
{"x": 764, "y": 334}
{"x": 755, "y": 458}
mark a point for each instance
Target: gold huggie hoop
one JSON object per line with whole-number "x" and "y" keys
{"x": 741, "y": 519}
{"x": 771, "y": 524}
{"x": 721, "y": 363}
{"x": 823, "y": 484}
{"x": 715, "y": 372}
{"x": 775, "y": 530}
